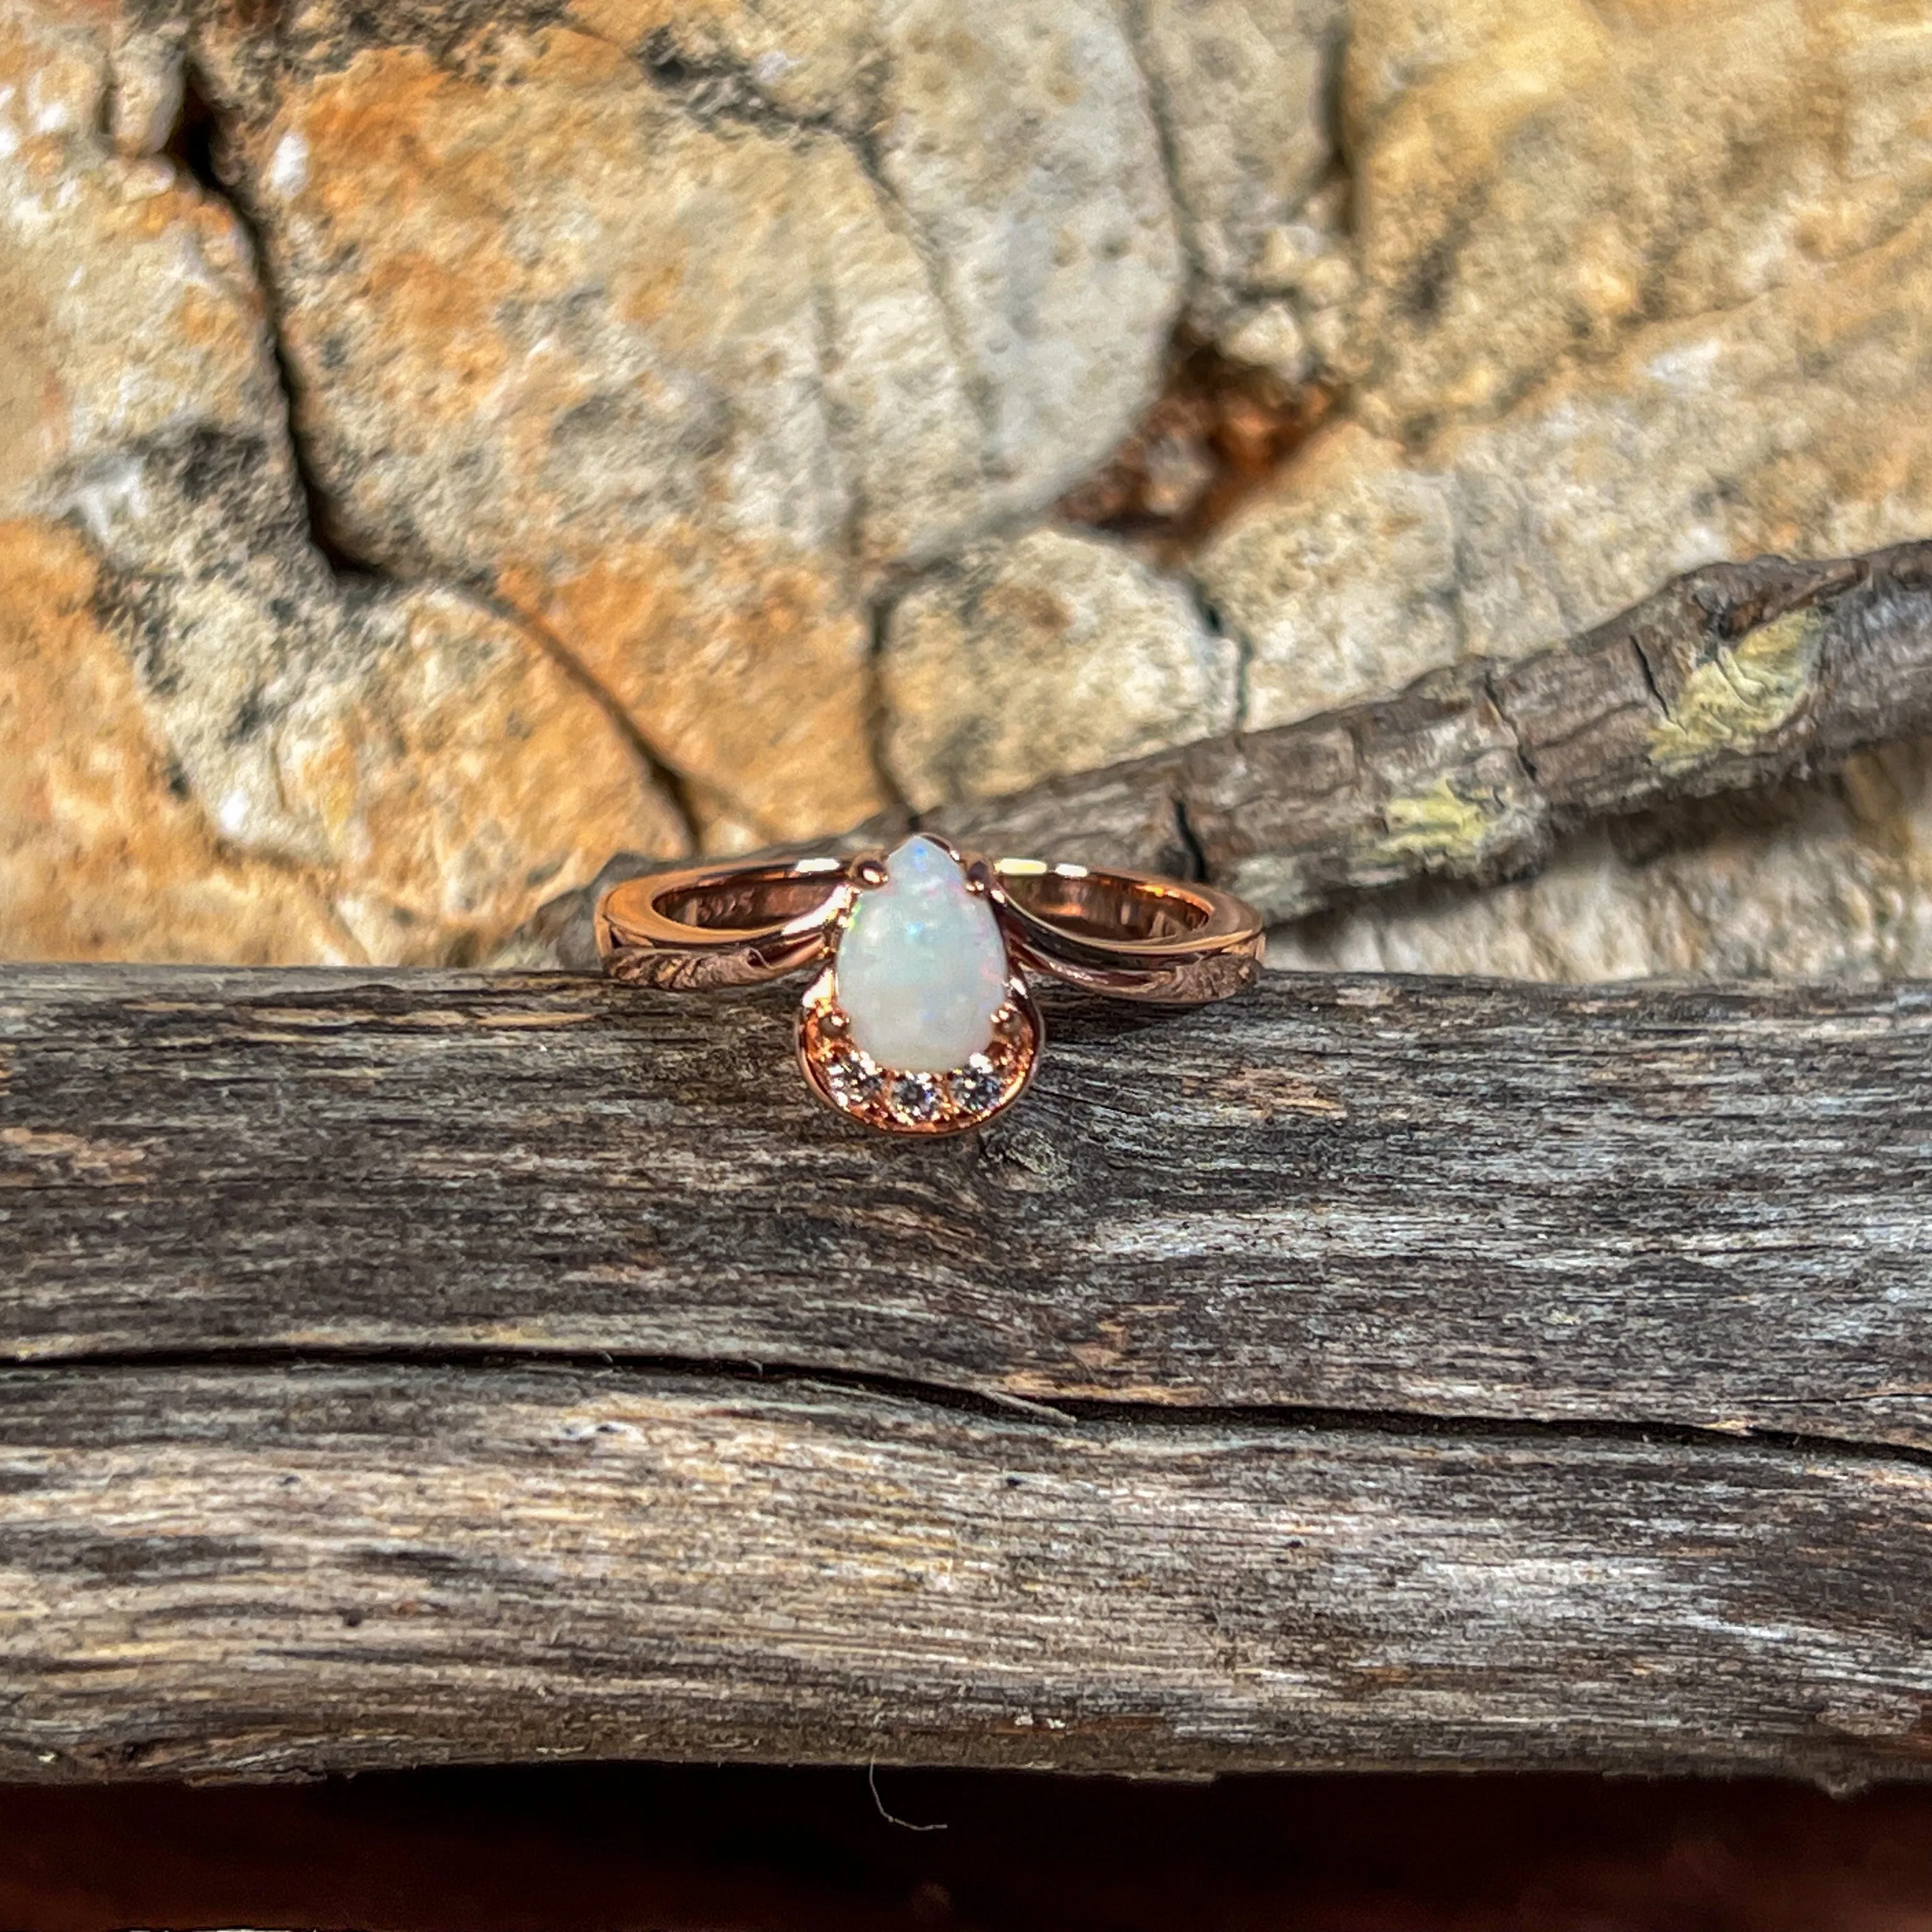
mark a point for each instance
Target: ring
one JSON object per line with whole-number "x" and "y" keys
{"x": 920, "y": 1021}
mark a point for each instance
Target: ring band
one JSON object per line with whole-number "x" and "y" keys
{"x": 925, "y": 978}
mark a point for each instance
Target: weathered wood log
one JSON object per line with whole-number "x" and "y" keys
{"x": 1707, "y": 1206}
{"x": 410, "y": 1367}
{"x": 1733, "y": 677}
{"x": 261, "y": 1572}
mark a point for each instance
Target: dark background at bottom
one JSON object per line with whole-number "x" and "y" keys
{"x": 619, "y": 1846}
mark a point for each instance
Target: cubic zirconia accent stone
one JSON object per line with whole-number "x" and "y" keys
{"x": 915, "y": 1096}
{"x": 853, "y": 1079}
{"x": 977, "y": 1086}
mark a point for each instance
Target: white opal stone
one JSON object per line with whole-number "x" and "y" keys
{"x": 921, "y": 967}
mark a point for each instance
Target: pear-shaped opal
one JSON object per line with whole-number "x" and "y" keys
{"x": 921, "y": 967}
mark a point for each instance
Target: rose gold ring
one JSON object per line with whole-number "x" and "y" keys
{"x": 920, "y": 1021}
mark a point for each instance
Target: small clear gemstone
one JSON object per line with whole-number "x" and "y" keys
{"x": 977, "y": 1086}
{"x": 853, "y": 1079}
{"x": 915, "y": 1096}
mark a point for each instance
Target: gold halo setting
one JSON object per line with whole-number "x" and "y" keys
{"x": 851, "y": 1082}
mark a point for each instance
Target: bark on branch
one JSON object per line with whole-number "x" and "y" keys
{"x": 1734, "y": 677}
{"x": 409, "y": 1367}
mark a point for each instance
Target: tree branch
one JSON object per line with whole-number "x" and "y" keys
{"x": 1736, "y": 676}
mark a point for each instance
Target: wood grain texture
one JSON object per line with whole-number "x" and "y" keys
{"x": 1705, "y": 1206}
{"x": 333, "y": 1568}
{"x": 1731, "y": 678}
{"x": 414, "y": 1367}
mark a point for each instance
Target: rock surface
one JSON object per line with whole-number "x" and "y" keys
{"x": 681, "y": 390}
{"x": 1801, "y": 421}
{"x": 1634, "y": 289}
{"x": 1537, "y": 182}
{"x": 103, "y": 853}
{"x": 677, "y": 325}
{"x": 290, "y": 765}
{"x": 1243, "y": 89}
{"x": 1057, "y": 652}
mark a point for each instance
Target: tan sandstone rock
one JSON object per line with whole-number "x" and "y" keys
{"x": 102, "y": 855}
{"x": 127, "y": 298}
{"x": 649, "y": 350}
{"x": 1637, "y": 289}
{"x": 1536, "y": 180}
{"x": 409, "y": 771}
{"x": 1054, "y": 653}
{"x": 677, "y": 324}
{"x": 1243, "y": 89}
{"x": 1798, "y": 421}
{"x": 1761, "y": 171}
